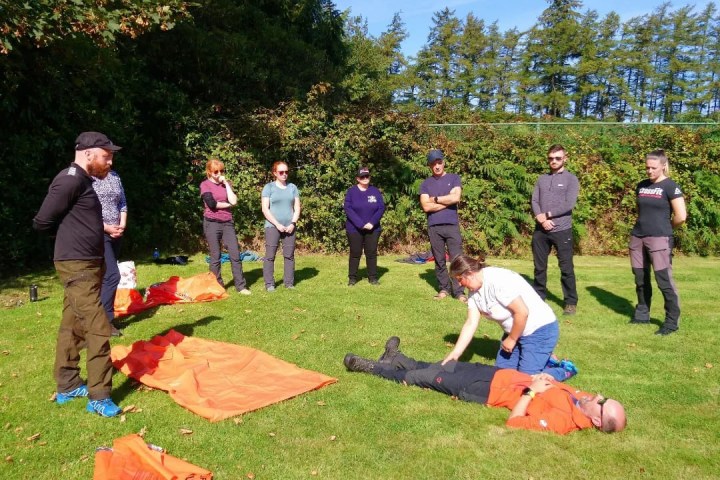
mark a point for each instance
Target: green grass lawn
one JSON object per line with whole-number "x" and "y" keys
{"x": 366, "y": 427}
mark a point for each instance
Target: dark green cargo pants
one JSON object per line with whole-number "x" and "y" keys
{"x": 84, "y": 325}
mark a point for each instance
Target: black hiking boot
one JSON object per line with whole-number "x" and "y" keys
{"x": 355, "y": 363}
{"x": 391, "y": 350}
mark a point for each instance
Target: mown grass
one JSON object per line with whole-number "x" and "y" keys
{"x": 365, "y": 427}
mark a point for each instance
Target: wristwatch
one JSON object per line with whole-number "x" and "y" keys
{"x": 527, "y": 391}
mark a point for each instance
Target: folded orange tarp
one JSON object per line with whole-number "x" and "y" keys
{"x": 203, "y": 287}
{"x": 133, "y": 459}
{"x": 216, "y": 380}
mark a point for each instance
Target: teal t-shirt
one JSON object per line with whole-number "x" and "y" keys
{"x": 282, "y": 201}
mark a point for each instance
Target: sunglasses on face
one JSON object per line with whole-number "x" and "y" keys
{"x": 550, "y": 159}
{"x": 364, "y": 176}
{"x": 219, "y": 171}
{"x": 282, "y": 172}
{"x": 601, "y": 402}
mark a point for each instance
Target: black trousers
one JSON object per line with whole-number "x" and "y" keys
{"x": 359, "y": 242}
{"x": 542, "y": 243}
{"x": 440, "y": 237}
{"x": 467, "y": 381}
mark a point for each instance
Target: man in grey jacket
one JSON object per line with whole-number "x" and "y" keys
{"x": 553, "y": 200}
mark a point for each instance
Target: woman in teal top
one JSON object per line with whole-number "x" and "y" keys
{"x": 281, "y": 208}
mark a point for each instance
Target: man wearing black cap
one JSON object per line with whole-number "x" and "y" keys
{"x": 72, "y": 213}
{"x": 439, "y": 196}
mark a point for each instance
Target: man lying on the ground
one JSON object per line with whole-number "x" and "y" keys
{"x": 537, "y": 402}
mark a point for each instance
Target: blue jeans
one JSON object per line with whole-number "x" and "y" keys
{"x": 532, "y": 352}
{"x": 111, "y": 279}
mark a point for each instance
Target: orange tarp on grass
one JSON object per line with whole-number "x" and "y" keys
{"x": 202, "y": 287}
{"x": 216, "y": 380}
{"x": 133, "y": 459}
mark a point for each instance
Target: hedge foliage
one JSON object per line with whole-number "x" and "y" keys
{"x": 499, "y": 165}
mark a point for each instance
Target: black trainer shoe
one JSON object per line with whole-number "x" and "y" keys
{"x": 570, "y": 310}
{"x": 374, "y": 281}
{"x": 391, "y": 349}
{"x": 639, "y": 321}
{"x": 358, "y": 364}
{"x": 664, "y": 331}
{"x": 351, "y": 282}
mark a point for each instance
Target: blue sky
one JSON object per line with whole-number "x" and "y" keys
{"x": 417, "y": 14}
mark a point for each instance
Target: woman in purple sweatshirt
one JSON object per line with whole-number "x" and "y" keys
{"x": 364, "y": 207}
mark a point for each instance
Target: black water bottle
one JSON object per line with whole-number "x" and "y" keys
{"x": 33, "y": 293}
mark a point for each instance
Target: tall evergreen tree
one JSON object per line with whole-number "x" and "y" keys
{"x": 438, "y": 61}
{"x": 552, "y": 51}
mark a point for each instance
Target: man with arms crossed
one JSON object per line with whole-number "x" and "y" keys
{"x": 439, "y": 197}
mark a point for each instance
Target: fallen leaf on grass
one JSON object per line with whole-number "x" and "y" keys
{"x": 123, "y": 419}
{"x": 272, "y": 434}
{"x": 53, "y": 397}
{"x": 9, "y": 459}
{"x": 298, "y": 309}
{"x": 568, "y": 322}
{"x": 250, "y": 475}
{"x": 632, "y": 345}
{"x": 295, "y": 337}
{"x": 42, "y": 444}
{"x": 142, "y": 432}
{"x": 321, "y": 403}
{"x": 185, "y": 431}
{"x": 39, "y": 314}
{"x": 314, "y": 472}
{"x": 6, "y": 352}
{"x": 32, "y": 438}
{"x": 449, "y": 345}
{"x": 332, "y": 438}
{"x": 248, "y": 311}
{"x": 486, "y": 336}
{"x": 708, "y": 365}
{"x": 128, "y": 409}
{"x": 84, "y": 458}
{"x": 238, "y": 420}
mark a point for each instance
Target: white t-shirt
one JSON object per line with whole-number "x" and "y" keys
{"x": 500, "y": 287}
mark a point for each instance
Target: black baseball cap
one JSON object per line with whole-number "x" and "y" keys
{"x": 95, "y": 140}
{"x": 435, "y": 155}
{"x": 363, "y": 172}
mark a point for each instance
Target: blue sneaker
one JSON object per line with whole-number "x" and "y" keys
{"x": 105, "y": 407}
{"x": 64, "y": 397}
{"x": 569, "y": 367}
{"x": 553, "y": 361}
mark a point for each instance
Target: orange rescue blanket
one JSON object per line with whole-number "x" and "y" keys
{"x": 132, "y": 459}
{"x": 216, "y": 380}
{"x": 202, "y": 287}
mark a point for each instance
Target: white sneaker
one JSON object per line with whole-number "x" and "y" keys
{"x": 245, "y": 291}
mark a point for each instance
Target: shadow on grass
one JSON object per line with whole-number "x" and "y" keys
{"x": 187, "y": 329}
{"x": 362, "y": 273}
{"x": 620, "y": 305}
{"x": 429, "y": 276}
{"x": 483, "y": 347}
{"x": 550, "y": 297}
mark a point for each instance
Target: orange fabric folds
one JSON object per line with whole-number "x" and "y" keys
{"x": 202, "y": 287}
{"x": 133, "y": 459}
{"x": 216, "y": 380}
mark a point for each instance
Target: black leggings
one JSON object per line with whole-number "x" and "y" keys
{"x": 467, "y": 381}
